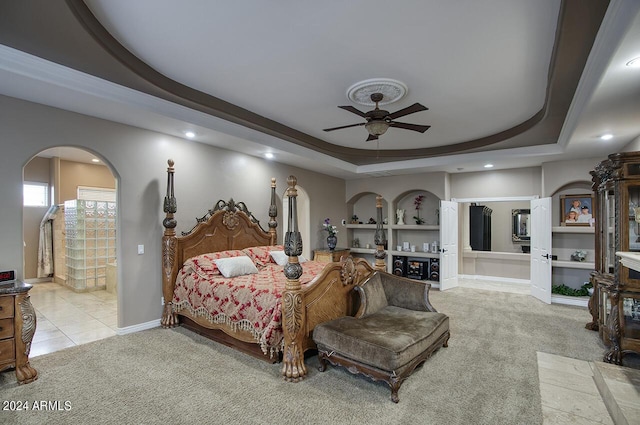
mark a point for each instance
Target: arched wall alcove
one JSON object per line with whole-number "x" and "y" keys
{"x": 428, "y": 211}
{"x": 363, "y": 206}
{"x": 575, "y": 189}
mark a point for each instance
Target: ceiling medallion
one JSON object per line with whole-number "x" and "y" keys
{"x": 391, "y": 90}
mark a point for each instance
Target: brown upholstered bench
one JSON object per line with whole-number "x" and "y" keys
{"x": 394, "y": 331}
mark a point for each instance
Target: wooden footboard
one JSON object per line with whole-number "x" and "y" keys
{"x": 329, "y": 296}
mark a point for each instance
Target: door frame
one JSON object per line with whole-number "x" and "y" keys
{"x": 481, "y": 200}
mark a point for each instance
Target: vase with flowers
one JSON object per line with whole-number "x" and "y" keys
{"x": 332, "y": 230}
{"x": 417, "y": 202}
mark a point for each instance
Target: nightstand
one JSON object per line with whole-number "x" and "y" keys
{"x": 17, "y": 326}
{"x": 328, "y": 256}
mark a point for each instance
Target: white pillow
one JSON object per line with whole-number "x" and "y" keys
{"x": 236, "y": 266}
{"x": 282, "y": 259}
{"x": 279, "y": 257}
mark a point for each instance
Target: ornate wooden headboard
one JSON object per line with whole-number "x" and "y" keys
{"x": 228, "y": 225}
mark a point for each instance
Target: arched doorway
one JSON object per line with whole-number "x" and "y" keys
{"x": 72, "y": 265}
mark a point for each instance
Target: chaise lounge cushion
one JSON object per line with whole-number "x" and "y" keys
{"x": 388, "y": 339}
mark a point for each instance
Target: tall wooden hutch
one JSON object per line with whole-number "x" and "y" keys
{"x": 615, "y": 303}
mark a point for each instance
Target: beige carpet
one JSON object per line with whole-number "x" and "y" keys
{"x": 487, "y": 375}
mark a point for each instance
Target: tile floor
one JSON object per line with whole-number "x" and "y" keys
{"x": 67, "y": 318}
{"x": 569, "y": 393}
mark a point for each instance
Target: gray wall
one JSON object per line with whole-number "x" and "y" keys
{"x": 498, "y": 183}
{"x": 37, "y": 170}
{"x": 137, "y": 159}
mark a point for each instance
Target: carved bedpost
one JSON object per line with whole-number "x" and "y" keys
{"x": 169, "y": 318}
{"x": 273, "y": 213}
{"x": 380, "y": 238}
{"x": 293, "y": 368}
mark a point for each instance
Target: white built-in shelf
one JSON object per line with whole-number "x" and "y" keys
{"x": 414, "y": 227}
{"x": 584, "y": 265}
{"x": 394, "y": 226}
{"x": 416, "y": 254}
{"x": 361, "y": 226}
{"x": 574, "y": 229}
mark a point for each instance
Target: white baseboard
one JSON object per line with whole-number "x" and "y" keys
{"x": 496, "y": 279}
{"x": 137, "y": 328}
{"x": 39, "y": 280}
{"x": 579, "y": 302}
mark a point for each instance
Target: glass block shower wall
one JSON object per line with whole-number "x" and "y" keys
{"x": 90, "y": 228}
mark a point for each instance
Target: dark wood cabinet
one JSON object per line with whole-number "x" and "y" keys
{"x": 17, "y": 327}
{"x": 615, "y": 303}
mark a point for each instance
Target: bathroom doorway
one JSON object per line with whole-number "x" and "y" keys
{"x": 69, "y": 231}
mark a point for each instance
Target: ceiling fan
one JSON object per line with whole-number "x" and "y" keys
{"x": 378, "y": 120}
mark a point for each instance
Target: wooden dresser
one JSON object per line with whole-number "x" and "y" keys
{"x": 329, "y": 256}
{"x": 17, "y": 326}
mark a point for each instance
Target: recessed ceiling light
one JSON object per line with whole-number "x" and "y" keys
{"x": 488, "y": 165}
{"x": 95, "y": 160}
{"x": 606, "y": 137}
{"x": 190, "y": 134}
{"x": 634, "y": 63}
{"x": 268, "y": 155}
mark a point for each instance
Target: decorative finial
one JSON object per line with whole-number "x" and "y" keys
{"x": 378, "y": 201}
{"x": 170, "y": 162}
{"x": 291, "y": 190}
{"x": 273, "y": 182}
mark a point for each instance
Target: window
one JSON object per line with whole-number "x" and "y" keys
{"x": 96, "y": 194}
{"x": 35, "y": 194}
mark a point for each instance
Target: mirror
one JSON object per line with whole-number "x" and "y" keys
{"x": 521, "y": 227}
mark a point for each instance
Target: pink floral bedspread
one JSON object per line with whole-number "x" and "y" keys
{"x": 250, "y": 302}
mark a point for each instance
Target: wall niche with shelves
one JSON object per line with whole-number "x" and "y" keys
{"x": 403, "y": 236}
{"x": 360, "y": 234}
{"x": 416, "y": 245}
{"x": 569, "y": 238}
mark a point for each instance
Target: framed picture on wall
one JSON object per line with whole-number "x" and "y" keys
{"x": 577, "y": 210}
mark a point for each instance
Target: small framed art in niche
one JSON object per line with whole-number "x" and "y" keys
{"x": 521, "y": 226}
{"x": 577, "y": 210}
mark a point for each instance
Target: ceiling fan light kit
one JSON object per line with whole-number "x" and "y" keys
{"x": 376, "y": 128}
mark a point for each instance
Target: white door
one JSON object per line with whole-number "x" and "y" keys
{"x": 541, "y": 249}
{"x": 449, "y": 245}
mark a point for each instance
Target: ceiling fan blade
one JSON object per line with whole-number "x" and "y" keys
{"x": 372, "y": 137}
{"x": 414, "y": 127}
{"x": 353, "y": 110}
{"x": 416, "y": 107}
{"x": 344, "y": 126}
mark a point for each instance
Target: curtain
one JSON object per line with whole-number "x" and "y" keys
{"x": 45, "y": 245}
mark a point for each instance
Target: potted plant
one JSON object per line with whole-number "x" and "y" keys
{"x": 417, "y": 202}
